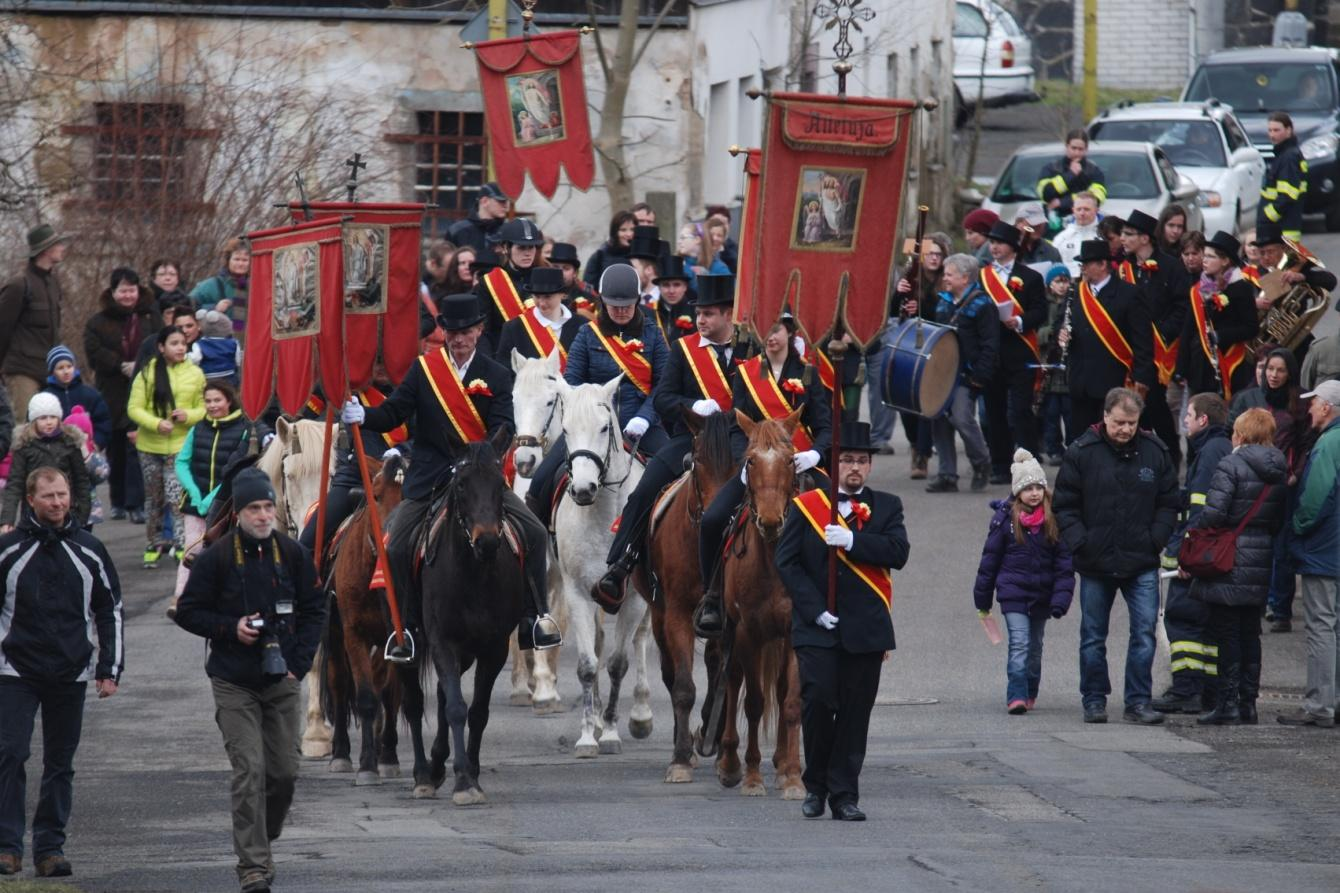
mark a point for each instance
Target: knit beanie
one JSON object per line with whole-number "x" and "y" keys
{"x": 1057, "y": 271}
{"x": 80, "y": 419}
{"x": 1025, "y": 470}
{"x": 251, "y": 485}
{"x": 44, "y": 404}
{"x": 58, "y": 353}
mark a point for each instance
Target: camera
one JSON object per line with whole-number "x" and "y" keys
{"x": 272, "y": 657}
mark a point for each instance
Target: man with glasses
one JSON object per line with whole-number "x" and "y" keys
{"x": 480, "y": 229}
{"x": 840, "y": 648}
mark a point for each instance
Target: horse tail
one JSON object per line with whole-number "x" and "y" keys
{"x": 771, "y": 664}
{"x": 332, "y": 644}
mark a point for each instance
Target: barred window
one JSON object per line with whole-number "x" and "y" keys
{"x": 450, "y": 163}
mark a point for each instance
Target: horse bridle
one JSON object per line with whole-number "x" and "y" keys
{"x": 749, "y": 493}
{"x": 542, "y": 441}
{"x": 602, "y": 462}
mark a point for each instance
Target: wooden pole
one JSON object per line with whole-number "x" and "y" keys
{"x": 837, "y": 350}
{"x": 374, "y": 514}
{"x": 325, "y": 488}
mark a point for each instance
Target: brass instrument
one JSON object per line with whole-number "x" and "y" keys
{"x": 1295, "y": 308}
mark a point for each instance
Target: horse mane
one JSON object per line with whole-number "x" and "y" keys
{"x": 713, "y": 448}
{"x": 585, "y": 405}
{"x": 311, "y": 438}
{"x": 770, "y": 434}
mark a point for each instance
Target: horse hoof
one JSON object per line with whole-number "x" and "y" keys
{"x": 468, "y": 797}
{"x": 693, "y": 760}
{"x": 316, "y": 750}
{"x": 519, "y": 699}
{"x": 585, "y": 750}
{"x": 639, "y": 728}
{"x": 425, "y": 792}
{"x": 341, "y": 765}
{"x": 729, "y": 779}
{"x": 546, "y": 708}
{"x": 794, "y": 792}
{"x": 754, "y": 789}
{"x": 678, "y": 774}
{"x": 388, "y": 770}
{"x": 611, "y": 746}
{"x": 363, "y": 779}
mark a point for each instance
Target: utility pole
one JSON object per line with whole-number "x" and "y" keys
{"x": 497, "y": 31}
{"x": 1090, "y": 92}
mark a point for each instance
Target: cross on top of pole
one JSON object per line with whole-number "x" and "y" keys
{"x": 354, "y": 164}
{"x": 843, "y": 15}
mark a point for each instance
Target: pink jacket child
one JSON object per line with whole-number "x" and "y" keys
{"x": 95, "y": 461}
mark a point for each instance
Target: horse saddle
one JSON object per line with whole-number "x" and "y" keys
{"x": 663, "y": 500}
{"x": 430, "y": 534}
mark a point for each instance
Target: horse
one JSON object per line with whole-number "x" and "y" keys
{"x": 758, "y": 612}
{"x": 293, "y": 463}
{"x": 676, "y": 582}
{"x": 474, "y": 591}
{"x": 539, "y": 421}
{"x": 601, "y": 474}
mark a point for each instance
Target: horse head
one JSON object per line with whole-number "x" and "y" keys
{"x": 772, "y": 471}
{"x": 387, "y": 479}
{"x": 477, "y": 486}
{"x": 536, "y": 408}
{"x": 591, "y": 428}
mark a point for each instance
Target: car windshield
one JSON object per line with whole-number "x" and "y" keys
{"x": 1126, "y": 174}
{"x": 1187, "y": 143}
{"x": 1265, "y": 87}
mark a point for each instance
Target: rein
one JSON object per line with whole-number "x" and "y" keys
{"x": 602, "y": 462}
{"x": 540, "y": 442}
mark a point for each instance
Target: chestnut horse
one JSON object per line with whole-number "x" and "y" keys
{"x": 677, "y": 584}
{"x": 758, "y": 610}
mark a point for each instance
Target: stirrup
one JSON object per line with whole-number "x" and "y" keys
{"x": 704, "y": 632}
{"x": 386, "y": 650}
{"x": 535, "y": 627}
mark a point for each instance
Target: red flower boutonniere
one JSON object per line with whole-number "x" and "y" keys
{"x": 478, "y": 386}
{"x": 684, "y": 323}
{"x": 633, "y": 344}
{"x": 1149, "y": 266}
{"x": 793, "y": 386}
{"x": 860, "y": 511}
{"x": 582, "y": 303}
{"x": 1219, "y": 301}
{"x": 1016, "y": 283}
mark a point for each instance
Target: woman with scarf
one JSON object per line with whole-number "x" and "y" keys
{"x": 227, "y": 291}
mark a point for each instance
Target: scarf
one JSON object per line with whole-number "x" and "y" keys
{"x": 1033, "y": 520}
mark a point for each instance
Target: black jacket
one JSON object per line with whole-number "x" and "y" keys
{"x": 1237, "y": 482}
{"x": 817, "y": 416}
{"x": 1057, "y": 181}
{"x": 436, "y": 442}
{"x": 481, "y": 235}
{"x": 112, "y": 337}
{"x": 977, "y": 325}
{"x": 1205, "y": 450}
{"x": 1164, "y": 289}
{"x": 676, "y": 320}
{"x": 601, "y": 258}
{"x": 221, "y": 590}
{"x": 802, "y": 561}
{"x": 60, "y": 587}
{"x": 215, "y": 445}
{"x": 493, "y": 318}
{"x": 1116, "y": 505}
{"x": 677, "y": 387}
{"x": 1090, "y": 368}
{"x": 1233, "y": 324}
{"x": 1015, "y": 354}
{"x": 1284, "y": 188}
{"x": 513, "y": 334}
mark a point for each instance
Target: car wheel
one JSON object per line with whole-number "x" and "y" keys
{"x": 1333, "y": 218}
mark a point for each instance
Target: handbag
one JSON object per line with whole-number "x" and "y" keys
{"x": 1208, "y": 551}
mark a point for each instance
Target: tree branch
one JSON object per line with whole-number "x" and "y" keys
{"x": 651, "y": 32}
{"x": 600, "y": 44}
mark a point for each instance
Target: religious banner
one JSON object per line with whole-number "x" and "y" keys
{"x": 382, "y": 243}
{"x": 535, "y": 109}
{"x": 830, "y": 193}
{"x": 295, "y": 319}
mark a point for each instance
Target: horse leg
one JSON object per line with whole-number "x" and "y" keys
{"x": 442, "y": 741}
{"x": 338, "y": 684}
{"x": 487, "y": 668}
{"x": 455, "y": 713}
{"x": 544, "y": 670}
{"x": 753, "y": 711}
{"x": 786, "y": 760}
{"x": 316, "y": 736}
{"x": 625, "y": 625}
{"x": 368, "y": 707}
{"x": 639, "y": 718}
{"x": 412, "y": 707}
{"x": 584, "y": 625}
{"x": 728, "y": 760}
{"x": 521, "y": 675}
{"x": 388, "y": 761}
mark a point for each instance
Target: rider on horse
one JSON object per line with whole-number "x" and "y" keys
{"x": 455, "y": 396}
{"x": 674, "y": 305}
{"x": 543, "y": 327}
{"x": 769, "y": 386}
{"x": 578, "y": 297}
{"x": 502, "y": 290}
{"x": 698, "y": 378}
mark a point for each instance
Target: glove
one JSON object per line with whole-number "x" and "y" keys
{"x": 744, "y": 475}
{"x": 837, "y": 535}
{"x": 827, "y": 621}
{"x": 265, "y": 442}
{"x": 392, "y": 453}
{"x": 799, "y": 344}
{"x": 1057, "y": 613}
{"x": 806, "y": 460}
{"x": 636, "y": 427}
{"x": 705, "y": 407}
{"x": 352, "y": 413}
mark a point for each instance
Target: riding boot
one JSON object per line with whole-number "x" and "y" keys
{"x": 707, "y": 617}
{"x": 404, "y": 652}
{"x": 608, "y": 591}
{"x": 538, "y": 630}
{"x": 1251, "y": 688}
{"x": 1226, "y": 711}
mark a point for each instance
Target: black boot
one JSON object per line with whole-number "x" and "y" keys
{"x": 608, "y": 591}
{"x": 1225, "y": 712}
{"x": 537, "y": 629}
{"x": 1251, "y": 688}
{"x": 707, "y": 620}
{"x": 1184, "y": 696}
{"x": 406, "y": 650}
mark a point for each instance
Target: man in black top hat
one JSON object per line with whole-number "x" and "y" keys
{"x": 579, "y": 297}
{"x": 675, "y": 306}
{"x": 1303, "y": 267}
{"x": 461, "y": 371}
{"x": 479, "y": 230}
{"x": 519, "y": 242}
{"x": 646, "y": 253}
{"x": 840, "y": 653}
{"x": 526, "y": 332}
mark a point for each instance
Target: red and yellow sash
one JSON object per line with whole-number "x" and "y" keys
{"x": 1165, "y": 352}
{"x": 1126, "y": 271}
{"x": 372, "y": 397}
{"x": 543, "y": 337}
{"x": 1253, "y": 273}
{"x": 451, "y": 394}
{"x": 315, "y": 405}
{"x": 827, "y": 374}
{"x": 1106, "y": 330}
{"x": 1001, "y": 294}
{"x": 632, "y": 361}
{"x": 711, "y": 380}
{"x": 768, "y": 397}
{"x": 503, "y": 291}
{"x": 814, "y": 505}
{"x": 1230, "y": 359}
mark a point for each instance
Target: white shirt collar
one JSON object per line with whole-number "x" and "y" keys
{"x": 1102, "y": 285}
{"x": 460, "y": 370}
{"x": 564, "y": 314}
{"x": 704, "y": 342}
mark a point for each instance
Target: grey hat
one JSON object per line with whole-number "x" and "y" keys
{"x": 1326, "y": 390}
{"x": 42, "y": 237}
{"x": 620, "y": 286}
{"x": 251, "y": 485}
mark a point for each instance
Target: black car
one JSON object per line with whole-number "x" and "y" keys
{"x": 1303, "y": 81}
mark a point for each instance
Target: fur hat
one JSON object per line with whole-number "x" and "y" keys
{"x": 44, "y": 404}
{"x": 214, "y": 324}
{"x": 1025, "y": 470}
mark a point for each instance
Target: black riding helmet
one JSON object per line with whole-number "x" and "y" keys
{"x": 520, "y": 231}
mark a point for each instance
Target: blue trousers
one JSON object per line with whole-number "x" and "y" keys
{"x": 1096, "y": 595}
{"x": 62, "y": 706}
{"x": 1023, "y": 661}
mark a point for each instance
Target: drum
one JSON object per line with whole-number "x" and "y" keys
{"x": 920, "y": 376}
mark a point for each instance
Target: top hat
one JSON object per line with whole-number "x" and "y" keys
{"x": 1004, "y": 232}
{"x": 715, "y": 290}
{"x": 564, "y": 253}
{"x": 42, "y": 237}
{"x": 1094, "y": 250}
{"x": 1141, "y": 223}
{"x": 520, "y": 231}
{"x": 545, "y": 281}
{"x": 674, "y": 269}
{"x": 1268, "y": 234}
{"x": 1227, "y": 247}
{"x": 494, "y": 191}
{"x": 620, "y": 286}
{"x": 459, "y": 312}
{"x": 855, "y": 436}
{"x": 646, "y": 243}
{"x": 482, "y": 265}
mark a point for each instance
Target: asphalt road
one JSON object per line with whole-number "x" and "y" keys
{"x": 960, "y": 795}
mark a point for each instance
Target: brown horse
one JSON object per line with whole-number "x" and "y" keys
{"x": 678, "y": 584}
{"x": 758, "y": 610}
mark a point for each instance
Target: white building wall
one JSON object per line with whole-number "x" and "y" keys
{"x": 1142, "y": 44}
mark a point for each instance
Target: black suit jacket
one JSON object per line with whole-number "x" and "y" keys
{"x": 1234, "y": 324}
{"x": 864, "y": 624}
{"x": 513, "y": 334}
{"x": 493, "y": 318}
{"x": 1091, "y": 369}
{"x": 1014, "y": 353}
{"x": 1164, "y": 290}
{"x": 436, "y": 443}
{"x": 817, "y": 416}
{"x": 677, "y": 389}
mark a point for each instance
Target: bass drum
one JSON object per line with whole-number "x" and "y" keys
{"x": 920, "y": 376}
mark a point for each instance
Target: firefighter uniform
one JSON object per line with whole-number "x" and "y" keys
{"x": 1058, "y": 181}
{"x": 1283, "y": 189}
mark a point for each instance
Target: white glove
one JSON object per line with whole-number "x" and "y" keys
{"x": 837, "y": 535}
{"x": 744, "y": 475}
{"x": 390, "y": 454}
{"x": 705, "y": 408}
{"x": 805, "y": 460}
{"x": 265, "y": 442}
{"x": 352, "y": 413}
{"x": 636, "y": 427}
{"x": 799, "y": 344}
{"x": 827, "y": 621}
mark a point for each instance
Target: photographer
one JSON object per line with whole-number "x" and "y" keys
{"x": 253, "y": 594}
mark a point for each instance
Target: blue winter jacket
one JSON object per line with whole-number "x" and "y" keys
{"x": 1033, "y": 577}
{"x": 76, "y": 393}
{"x": 590, "y": 363}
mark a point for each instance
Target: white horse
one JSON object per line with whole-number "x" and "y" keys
{"x": 538, "y": 415}
{"x": 293, "y": 463}
{"x": 601, "y": 476}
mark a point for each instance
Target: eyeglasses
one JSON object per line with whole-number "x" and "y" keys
{"x": 854, "y": 460}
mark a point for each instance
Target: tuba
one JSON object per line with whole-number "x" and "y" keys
{"x": 1294, "y": 309}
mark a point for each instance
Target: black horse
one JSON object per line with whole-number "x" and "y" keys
{"x": 473, "y": 589}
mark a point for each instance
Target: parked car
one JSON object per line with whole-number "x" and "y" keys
{"x": 992, "y": 57}
{"x": 1302, "y": 81}
{"x": 1138, "y": 176}
{"x": 1204, "y": 141}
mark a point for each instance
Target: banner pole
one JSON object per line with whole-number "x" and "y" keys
{"x": 325, "y": 489}
{"x": 374, "y": 514}
{"x": 837, "y": 350}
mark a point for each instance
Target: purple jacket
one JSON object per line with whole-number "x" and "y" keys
{"x": 1032, "y": 577}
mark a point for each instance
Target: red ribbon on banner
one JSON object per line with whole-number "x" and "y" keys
{"x": 295, "y": 316}
{"x": 535, "y": 108}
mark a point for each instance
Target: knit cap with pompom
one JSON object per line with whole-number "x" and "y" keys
{"x": 1025, "y": 470}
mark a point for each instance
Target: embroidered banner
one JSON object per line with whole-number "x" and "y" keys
{"x": 535, "y": 110}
